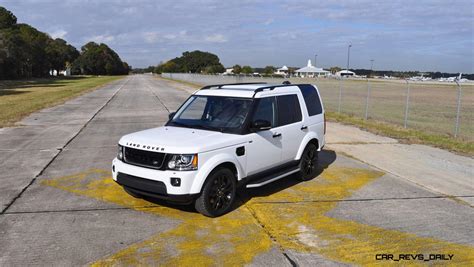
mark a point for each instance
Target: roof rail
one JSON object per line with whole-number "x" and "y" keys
{"x": 219, "y": 86}
{"x": 271, "y": 87}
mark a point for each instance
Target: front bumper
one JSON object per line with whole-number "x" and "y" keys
{"x": 154, "y": 183}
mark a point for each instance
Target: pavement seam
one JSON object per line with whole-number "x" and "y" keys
{"x": 60, "y": 150}
{"x": 272, "y": 237}
{"x": 454, "y": 198}
{"x": 360, "y": 200}
{"x": 156, "y": 96}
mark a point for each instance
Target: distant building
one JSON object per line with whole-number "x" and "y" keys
{"x": 345, "y": 73}
{"x": 228, "y": 72}
{"x": 282, "y": 71}
{"x": 311, "y": 71}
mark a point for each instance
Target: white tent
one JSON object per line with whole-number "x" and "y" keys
{"x": 311, "y": 71}
{"x": 345, "y": 73}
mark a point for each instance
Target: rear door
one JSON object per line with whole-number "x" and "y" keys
{"x": 290, "y": 123}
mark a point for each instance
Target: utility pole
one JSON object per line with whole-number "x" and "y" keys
{"x": 315, "y": 58}
{"x": 348, "y": 55}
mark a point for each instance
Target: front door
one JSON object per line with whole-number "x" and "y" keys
{"x": 264, "y": 147}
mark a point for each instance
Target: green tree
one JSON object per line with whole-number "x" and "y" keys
{"x": 247, "y": 70}
{"x": 61, "y": 54}
{"x": 195, "y": 62}
{"x": 237, "y": 69}
{"x": 333, "y": 70}
{"x": 99, "y": 59}
{"x": 7, "y": 19}
{"x": 269, "y": 70}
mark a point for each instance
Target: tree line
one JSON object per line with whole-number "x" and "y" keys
{"x": 26, "y": 52}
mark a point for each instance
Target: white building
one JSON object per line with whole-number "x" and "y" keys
{"x": 345, "y": 73}
{"x": 311, "y": 71}
{"x": 282, "y": 71}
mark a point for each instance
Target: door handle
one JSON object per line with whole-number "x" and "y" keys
{"x": 304, "y": 127}
{"x": 275, "y": 135}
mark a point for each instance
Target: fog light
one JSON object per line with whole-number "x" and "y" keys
{"x": 175, "y": 181}
{"x": 113, "y": 168}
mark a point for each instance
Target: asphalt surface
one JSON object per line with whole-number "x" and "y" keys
{"x": 60, "y": 206}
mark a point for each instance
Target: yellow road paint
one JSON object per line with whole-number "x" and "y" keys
{"x": 235, "y": 239}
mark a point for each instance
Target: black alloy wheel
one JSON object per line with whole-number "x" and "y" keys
{"x": 218, "y": 193}
{"x": 309, "y": 162}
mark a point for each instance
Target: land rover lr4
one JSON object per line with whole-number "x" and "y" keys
{"x": 222, "y": 137}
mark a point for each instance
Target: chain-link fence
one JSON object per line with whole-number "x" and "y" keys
{"x": 436, "y": 107}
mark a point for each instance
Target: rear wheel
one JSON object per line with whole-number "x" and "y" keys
{"x": 309, "y": 162}
{"x": 218, "y": 193}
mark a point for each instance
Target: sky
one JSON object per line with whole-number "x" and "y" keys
{"x": 398, "y": 35}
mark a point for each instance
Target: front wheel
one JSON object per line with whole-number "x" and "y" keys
{"x": 309, "y": 162}
{"x": 218, "y": 193}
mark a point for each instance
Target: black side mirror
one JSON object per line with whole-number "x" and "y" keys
{"x": 261, "y": 125}
{"x": 171, "y": 115}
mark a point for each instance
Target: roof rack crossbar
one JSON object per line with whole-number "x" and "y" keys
{"x": 219, "y": 86}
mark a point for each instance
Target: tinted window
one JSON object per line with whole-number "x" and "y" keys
{"x": 289, "y": 110}
{"x": 311, "y": 99}
{"x": 213, "y": 113}
{"x": 266, "y": 110}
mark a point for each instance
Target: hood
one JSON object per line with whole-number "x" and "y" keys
{"x": 178, "y": 140}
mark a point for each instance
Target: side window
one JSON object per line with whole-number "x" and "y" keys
{"x": 289, "y": 110}
{"x": 311, "y": 98}
{"x": 266, "y": 110}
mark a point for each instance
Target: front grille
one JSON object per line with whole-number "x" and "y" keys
{"x": 144, "y": 158}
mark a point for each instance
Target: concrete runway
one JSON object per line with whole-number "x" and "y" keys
{"x": 60, "y": 206}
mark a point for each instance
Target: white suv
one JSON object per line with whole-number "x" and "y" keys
{"x": 222, "y": 137}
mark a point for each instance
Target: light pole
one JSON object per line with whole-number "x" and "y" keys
{"x": 371, "y": 66}
{"x": 315, "y": 58}
{"x": 348, "y": 55}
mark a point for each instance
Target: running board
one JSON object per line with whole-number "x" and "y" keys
{"x": 271, "y": 178}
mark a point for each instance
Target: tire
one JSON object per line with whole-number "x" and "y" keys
{"x": 133, "y": 194}
{"x": 218, "y": 193}
{"x": 309, "y": 162}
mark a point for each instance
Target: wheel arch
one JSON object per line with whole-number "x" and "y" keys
{"x": 310, "y": 138}
{"x": 213, "y": 164}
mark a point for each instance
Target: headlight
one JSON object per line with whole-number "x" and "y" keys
{"x": 183, "y": 162}
{"x": 120, "y": 152}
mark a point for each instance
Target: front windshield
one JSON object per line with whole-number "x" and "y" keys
{"x": 217, "y": 113}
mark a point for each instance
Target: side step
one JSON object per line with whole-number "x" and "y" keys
{"x": 272, "y": 177}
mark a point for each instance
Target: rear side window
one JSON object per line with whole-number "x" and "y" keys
{"x": 289, "y": 110}
{"x": 311, "y": 98}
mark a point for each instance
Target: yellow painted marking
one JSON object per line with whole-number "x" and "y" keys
{"x": 235, "y": 239}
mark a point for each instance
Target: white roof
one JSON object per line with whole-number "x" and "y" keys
{"x": 346, "y": 71}
{"x": 246, "y": 90}
{"x": 311, "y": 69}
{"x": 283, "y": 68}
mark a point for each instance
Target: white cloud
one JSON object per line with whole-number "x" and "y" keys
{"x": 102, "y": 38}
{"x": 59, "y": 34}
{"x": 268, "y": 21}
{"x": 215, "y": 38}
